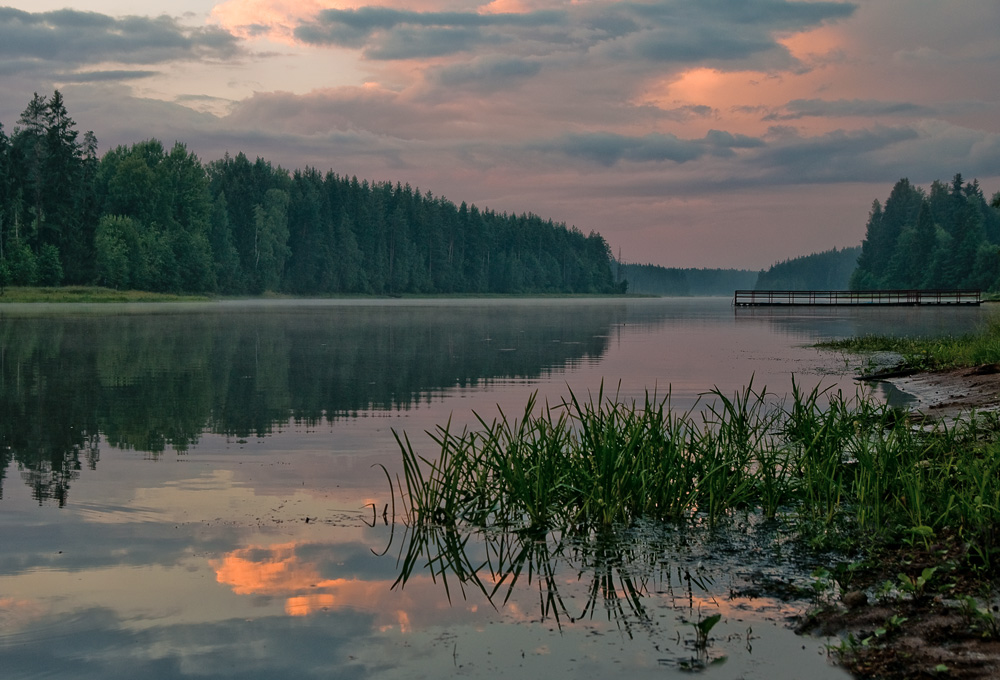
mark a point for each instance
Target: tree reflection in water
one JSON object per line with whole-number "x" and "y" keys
{"x": 158, "y": 376}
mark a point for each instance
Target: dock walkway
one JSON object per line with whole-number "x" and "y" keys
{"x": 761, "y": 298}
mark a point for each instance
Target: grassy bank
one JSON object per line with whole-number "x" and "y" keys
{"x": 973, "y": 349}
{"x": 89, "y": 294}
{"x": 99, "y": 294}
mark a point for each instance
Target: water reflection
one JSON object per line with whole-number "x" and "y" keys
{"x": 629, "y": 576}
{"x": 149, "y": 381}
{"x": 822, "y": 323}
{"x": 201, "y": 563}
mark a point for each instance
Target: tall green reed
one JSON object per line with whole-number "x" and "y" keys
{"x": 599, "y": 462}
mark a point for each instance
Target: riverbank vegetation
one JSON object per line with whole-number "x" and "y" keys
{"x": 902, "y": 515}
{"x": 153, "y": 218}
{"x": 974, "y": 349}
{"x": 854, "y": 472}
{"x": 89, "y": 294}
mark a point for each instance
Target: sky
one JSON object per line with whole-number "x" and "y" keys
{"x": 689, "y": 133}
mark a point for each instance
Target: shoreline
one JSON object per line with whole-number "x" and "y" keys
{"x": 922, "y": 635}
{"x": 947, "y": 393}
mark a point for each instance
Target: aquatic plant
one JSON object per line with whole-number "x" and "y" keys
{"x": 851, "y": 468}
{"x": 703, "y": 628}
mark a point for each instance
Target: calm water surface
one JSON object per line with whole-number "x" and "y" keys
{"x": 189, "y": 491}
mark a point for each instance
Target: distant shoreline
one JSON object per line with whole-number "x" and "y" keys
{"x": 97, "y": 294}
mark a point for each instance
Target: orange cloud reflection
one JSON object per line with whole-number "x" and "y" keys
{"x": 278, "y": 571}
{"x": 303, "y": 605}
{"x": 275, "y": 570}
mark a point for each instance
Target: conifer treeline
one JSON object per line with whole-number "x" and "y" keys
{"x": 948, "y": 237}
{"x": 651, "y": 279}
{"x": 151, "y": 218}
{"x": 828, "y": 270}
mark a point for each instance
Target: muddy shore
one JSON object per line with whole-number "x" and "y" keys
{"x": 950, "y": 393}
{"x": 921, "y": 635}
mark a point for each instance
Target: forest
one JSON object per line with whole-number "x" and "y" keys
{"x": 947, "y": 237}
{"x": 651, "y": 279}
{"x": 148, "y": 217}
{"x": 828, "y": 270}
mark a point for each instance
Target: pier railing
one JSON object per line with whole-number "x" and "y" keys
{"x": 756, "y": 298}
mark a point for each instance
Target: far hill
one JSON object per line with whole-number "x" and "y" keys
{"x": 651, "y": 279}
{"x": 829, "y": 270}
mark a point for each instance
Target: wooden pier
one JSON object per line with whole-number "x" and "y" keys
{"x": 899, "y": 298}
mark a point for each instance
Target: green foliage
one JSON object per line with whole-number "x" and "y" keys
{"x": 974, "y": 349}
{"x": 650, "y": 279}
{"x": 21, "y": 263}
{"x": 948, "y": 237}
{"x": 50, "y": 271}
{"x": 830, "y": 462}
{"x": 117, "y": 249}
{"x": 916, "y": 585}
{"x": 980, "y": 619}
{"x": 703, "y": 628}
{"x": 239, "y": 227}
{"x": 829, "y": 270}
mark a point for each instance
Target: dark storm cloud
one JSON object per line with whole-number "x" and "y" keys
{"x": 73, "y": 37}
{"x": 687, "y": 44}
{"x": 412, "y": 43}
{"x": 715, "y": 31}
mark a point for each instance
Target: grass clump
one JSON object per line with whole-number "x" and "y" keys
{"x": 846, "y": 468}
{"x": 973, "y": 349}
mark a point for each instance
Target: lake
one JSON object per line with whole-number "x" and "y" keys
{"x": 200, "y": 490}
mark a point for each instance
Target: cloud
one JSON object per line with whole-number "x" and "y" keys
{"x": 389, "y": 34}
{"x": 98, "y": 642}
{"x": 99, "y": 76}
{"x": 868, "y": 155}
{"x": 676, "y": 31}
{"x": 488, "y": 73}
{"x": 867, "y": 108}
{"x": 72, "y": 38}
{"x": 608, "y": 149}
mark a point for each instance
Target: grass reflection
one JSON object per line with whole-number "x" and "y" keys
{"x": 623, "y": 575}
{"x": 522, "y": 502}
{"x": 616, "y": 569}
